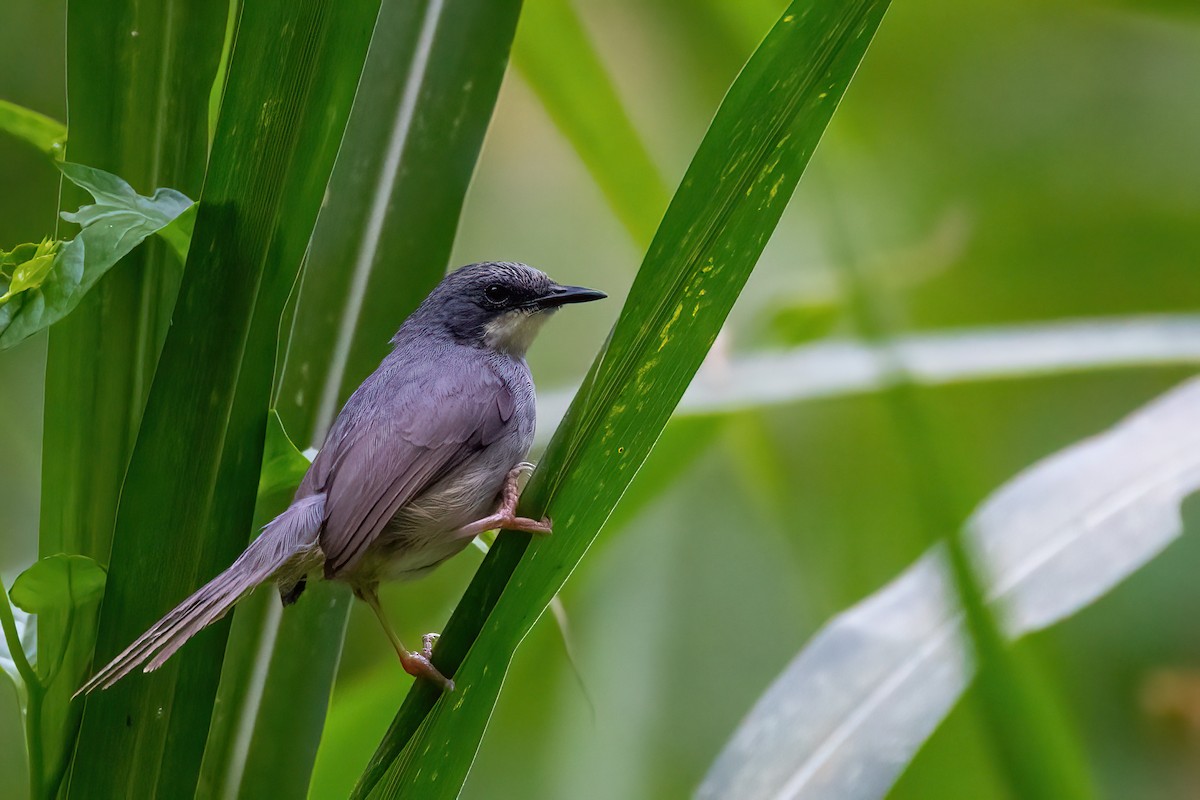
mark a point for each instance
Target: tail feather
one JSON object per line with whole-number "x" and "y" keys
{"x": 287, "y": 549}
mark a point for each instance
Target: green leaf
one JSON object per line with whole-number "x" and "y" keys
{"x": 182, "y": 520}
{"x": 554, "y": 54}
{"x": 58, "y": 583}
{"x": 135, "y": 110}
{"x": 713, "y": 233}
{"x": 28, "y": 265}
{"x": 178, "y": 234}
{"x": 283, "y": 465}
{"x": 120, "y": 219}
{"x": 382, "y": 241}
{"x": 46, "y": 134}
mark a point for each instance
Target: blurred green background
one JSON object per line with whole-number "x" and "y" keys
{"x": 993, "y": 163}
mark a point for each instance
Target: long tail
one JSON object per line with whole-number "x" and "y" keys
{"x": 286, "y": 549}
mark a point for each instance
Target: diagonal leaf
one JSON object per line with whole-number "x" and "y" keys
{"x": 381, "y": 243}
{"x": 716, "y": 227}
{"x": 555, "y": 56}
{"x": 852, "y": 709}
{"x": 46, "y": 134}
{"x": 181, "y": 520}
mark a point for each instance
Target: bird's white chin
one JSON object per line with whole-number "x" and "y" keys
{"x": 513, "y": 331}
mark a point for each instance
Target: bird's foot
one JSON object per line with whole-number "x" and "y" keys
{"x": 420, "y": 665}
{"x": 506, "y": 517}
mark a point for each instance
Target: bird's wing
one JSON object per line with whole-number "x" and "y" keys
{"x": 414, "y": 435}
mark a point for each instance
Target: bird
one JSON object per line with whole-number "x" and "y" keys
{"x": 426, "y": 454}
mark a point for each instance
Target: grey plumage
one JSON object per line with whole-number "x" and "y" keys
{"x": 413, "y": 466}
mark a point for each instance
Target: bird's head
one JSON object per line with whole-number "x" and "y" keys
{"x": 499, "y": 305}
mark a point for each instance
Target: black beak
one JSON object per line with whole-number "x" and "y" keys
{"x": 561, "y": 295}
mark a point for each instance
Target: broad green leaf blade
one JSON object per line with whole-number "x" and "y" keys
{"x": 183, "y": 519}
{"x": 117, "y": 222}
{"x": 133, "y": 105}
{"x": 46, "y": 134}
{"x": 554, "y": 54}
{"x": 717, "y": 225}
{"x": 381, "y": 243}
{"x": 852, "y": 709}
{"x": 58, "y": 583}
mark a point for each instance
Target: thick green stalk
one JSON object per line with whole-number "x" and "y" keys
{"x": 32, "y": 692}
{"x": 1038, "y": 753}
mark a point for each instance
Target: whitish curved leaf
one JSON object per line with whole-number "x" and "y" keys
{"x": 852, "y": 709}
{"x": 834, "y": 368}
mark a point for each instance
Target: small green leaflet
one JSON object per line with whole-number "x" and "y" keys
{"x": 42, "y": 283}
{"x": 58, "y": 583}
{"x": 283, "y": 464}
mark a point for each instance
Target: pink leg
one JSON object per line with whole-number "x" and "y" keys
{"x": 506, "y": 516}
{"x": 419, "y": 665}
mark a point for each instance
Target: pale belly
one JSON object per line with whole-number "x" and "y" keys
{"x": 425, "y": 532}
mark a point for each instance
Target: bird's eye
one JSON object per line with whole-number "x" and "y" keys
{"x": 496, "y": 294}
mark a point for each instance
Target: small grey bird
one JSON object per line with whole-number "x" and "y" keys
{"x": 425, "y": 455}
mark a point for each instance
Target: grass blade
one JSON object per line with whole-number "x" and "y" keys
{"x": 188, "y": 497}
{"x": 717, "y": 225}
{"x": 381, "y": 242}
{"x": 554, "y": 54}
{"x": 850, "y": 712}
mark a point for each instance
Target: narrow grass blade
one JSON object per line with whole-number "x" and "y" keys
{"x": 852, "y": 709}
{"x": 555, "y": 56}
{"x": 717, "y": 225}
{"x": 381, "y": 243}
{"x": 188, "y": 497}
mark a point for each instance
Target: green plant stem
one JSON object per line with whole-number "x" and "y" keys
{"x": 1039, "y": 756}
{"x": 34, "y": 694}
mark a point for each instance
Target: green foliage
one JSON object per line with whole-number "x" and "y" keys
{"x": 46, "y": 134}
{"x": 58, "y": 583}
{"x": 45, "y": 282}
{"x": 381, "y": 241}
{"x": 556, "y": 56}
{"x": 789, "y": 483}
{"x": 715, "y": 228}
{"x": 178, "y": 523}
{"x": 283, "y": 465}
